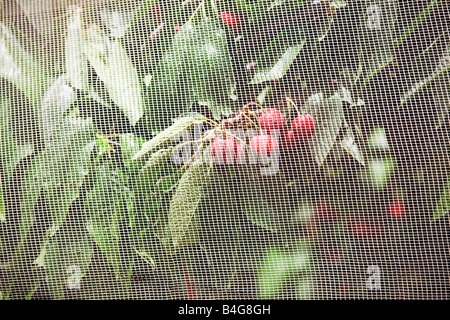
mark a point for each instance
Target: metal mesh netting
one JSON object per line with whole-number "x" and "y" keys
{"x": 270, "y": 149}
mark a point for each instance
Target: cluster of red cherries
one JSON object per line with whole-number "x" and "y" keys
{"x": 302, "y": 129}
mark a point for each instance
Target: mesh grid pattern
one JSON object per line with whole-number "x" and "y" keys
{"x": 270, "y": 149}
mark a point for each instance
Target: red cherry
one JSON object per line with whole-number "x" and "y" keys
{"x": 290, "y": 141}
{"x": 224, "y": 151}
{"x": 272, "y": 119}
{"x": 396, "y": 209}
{"x": 364, "y": 229}
{"x": 265, "y": 144}
{"x": 177, "y": 28}
{"x": 359, "y": 228}
{"x": 156, "y": 12}
{"x": 304, "y": 126}
{"x": 324, "y": 211}
{"x": 239, "y": 153}
{"x": 232, "y": 20}
{"x": 344, "y": 288}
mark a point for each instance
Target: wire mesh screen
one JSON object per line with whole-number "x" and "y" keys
{"x": 270, "y": 149}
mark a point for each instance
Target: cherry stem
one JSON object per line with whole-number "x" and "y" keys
{"x": 290, "y": 101}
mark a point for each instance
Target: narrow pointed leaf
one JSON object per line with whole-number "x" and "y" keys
{"x": 20, "y": 67}
{"x": 66, "y": 261}
{"x": 443, "y": 207}
{"x": 329, "y": 116}
{"x": 105, "y": 208}
{"x": 186, "y": 199}
{"x": 76, "y": 60}
{"x": 166, "y": 137}
{"x": 116, "y": 70}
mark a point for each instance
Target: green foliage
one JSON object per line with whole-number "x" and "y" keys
{"x": 329, "y": 116}
{"x": 375, "y": 35}
{"x": 20, "y": 68}
{"x": 441, "y": 72}
{"x": 197, "y": 58}
{"x": 424, "y": 14}
{"x": 275, "y": 62}
{"x": 278, "y": 265}
{"x": 59, "y": 170}
{"x": 76, "y": 60}
{"x": 115, "y": 68}
{"x": 2, "y": 202}
{"x": 221, "y": 232}
{"x": 167, "y": 137}
{"x": 349, "y": 144}
{"x": 130, "y": 144}
{"x": 147, "y": 198}
{"x": 66, "y": 259}
{"x": 379, "y": 171}
{"x": 264, "y": 200}
{"x": 121, "y": 195}
{"x": 186, "y": 199}
{"x": 443, "y": 206}
{"x": 55, "y": 105}
{"x": 105, "y": 209}
{"x": 12, "y": 150}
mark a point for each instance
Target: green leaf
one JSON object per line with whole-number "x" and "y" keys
{"x": 338, "y": 4}
{"x": 187, "y": 198}
{"x": 130, "y": 144}
{"x": 116, "y": 70}
{"x": 2, "y": 202}
{"x": 441, "y": 72}
{"x": 166, "y": 137}
{"x": 377, "y": 139}
{"x": 69, "y": 158}
{"x": 56, "y": 103}
{"x": 60, "y": 170}
{"x": 417, "y": 22}
{"x": 277, "y": 266}
{"x": 379, "y": 171}
{"x": 169, "y": 182}
{"x": 220, "y": 229}
{"x": 264, "y": 200}
{"x": 148, "y": 206}
{"x": 117, "y": 20}
{"x": 154, "y": 165}
{"x": 143, "y": 239}
{"x": 76, "y": 60}
{"x": 211, "y": 63}
{"x": 349, "y": 144}
{"x": 443, "y": 206}
{"x": 32, "y": 184}
{"x": 147, "y": 199}
{"x": 279, "y": 55}
{"x": 105, "y": 208}
{"x": 305, "y": 289}
{"x": 197, "y": 57}
{"x": 12, "y": 151}
{"x": 441, "y": 96}
{"x": 141, "y": 11}
{"x": 66, "y": 260}
{"x": 376, "y": 34}
{"x": 264, "y": 93}
{"x": 303, "y": 212}
{"x": 20, "y": 68}
{"x": 328, "y": 114}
